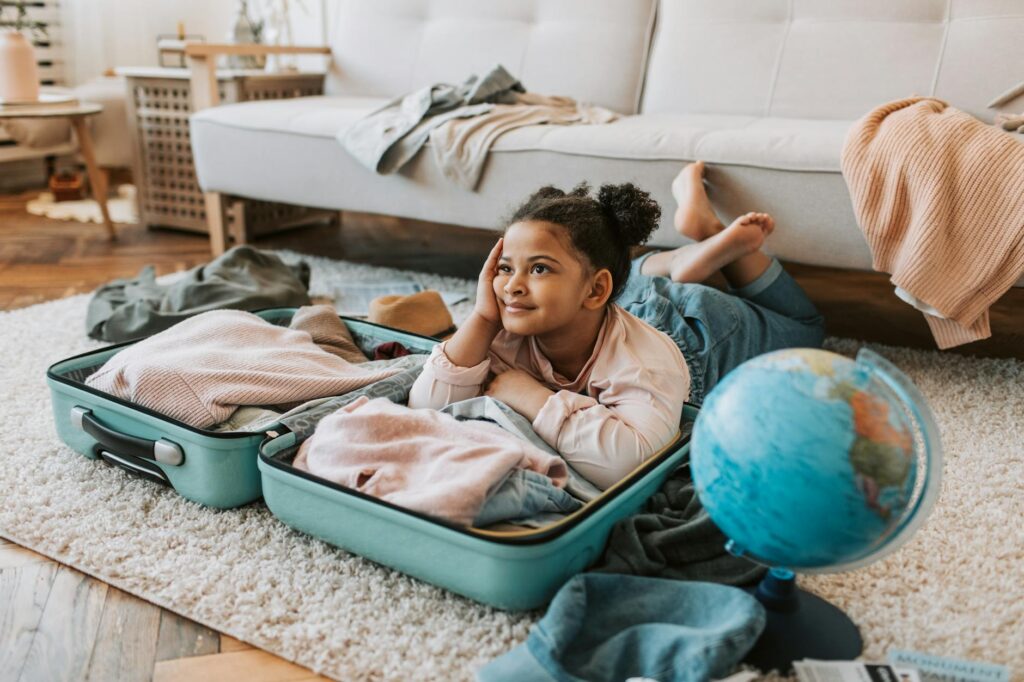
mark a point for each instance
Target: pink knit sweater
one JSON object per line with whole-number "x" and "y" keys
{"x": 940, "y": 198}
{"x": 202, "y": 369}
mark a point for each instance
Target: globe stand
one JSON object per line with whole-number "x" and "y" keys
{"x": 800, "y": 625}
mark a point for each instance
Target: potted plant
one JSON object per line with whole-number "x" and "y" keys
{"x": 19, "y": 77}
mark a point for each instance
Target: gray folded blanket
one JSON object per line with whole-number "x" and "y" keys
{"x": 241, "y": 279}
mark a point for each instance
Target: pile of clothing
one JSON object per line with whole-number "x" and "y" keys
{"x": 201, "y": 370}
{"x": 469, "y": 471}
{"x": 460, "y": 122}
{"x": 230, "y": 370}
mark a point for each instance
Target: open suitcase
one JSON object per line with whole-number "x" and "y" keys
{"x": 509, "y": 569}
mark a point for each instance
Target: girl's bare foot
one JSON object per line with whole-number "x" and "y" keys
{"x": 697, "y": 262}
{"x": 750, "y": 230}
{"x": 695, "y": 218}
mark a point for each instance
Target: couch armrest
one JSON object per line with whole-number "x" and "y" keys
{"x": 202, "y": 61}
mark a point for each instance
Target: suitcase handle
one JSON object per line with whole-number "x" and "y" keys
{"x": 163, "y": 450}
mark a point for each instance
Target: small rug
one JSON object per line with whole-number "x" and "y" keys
{"x": 121, "y": 207}
{"x": 956, "y": 589}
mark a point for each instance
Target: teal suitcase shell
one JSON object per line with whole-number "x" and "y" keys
{"x": 506, "y": 569}
{"x": 214, "y": 469}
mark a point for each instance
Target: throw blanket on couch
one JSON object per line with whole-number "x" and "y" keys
{"x": 939, "y": 197}
{"x": 461, "y": 123}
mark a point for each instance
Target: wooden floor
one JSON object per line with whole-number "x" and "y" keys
{"x": 43, "y": 259}
{"x": 57, "y": 624}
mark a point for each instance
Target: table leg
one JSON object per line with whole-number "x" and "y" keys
{"x": 96, "y": 181}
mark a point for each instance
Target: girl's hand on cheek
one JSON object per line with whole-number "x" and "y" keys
{"x": 486, "y": 303}
{"x": 520, "y": 391}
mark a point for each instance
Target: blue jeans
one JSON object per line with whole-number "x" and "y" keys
{"x": 608, "y": 628}
{"x": 719, "y": 330}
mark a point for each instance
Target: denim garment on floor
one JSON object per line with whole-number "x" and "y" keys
{"x": 609, "y": 628}
{"x": 718, "y": 330}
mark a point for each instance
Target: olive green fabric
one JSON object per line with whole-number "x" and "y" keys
{"x": 243, "y": 278}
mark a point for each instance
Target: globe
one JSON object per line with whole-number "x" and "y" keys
{"x": 812, "y": 461}
{"x": 809, "y": 461}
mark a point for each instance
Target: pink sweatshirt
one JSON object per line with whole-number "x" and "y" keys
{"x": 624, "y": 406}
{"x": 420, "y": 459}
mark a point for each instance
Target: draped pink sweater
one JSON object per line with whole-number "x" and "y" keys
{"x": 939, "y": 196}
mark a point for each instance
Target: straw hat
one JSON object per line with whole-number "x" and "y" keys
{"x": 421, "y": 313}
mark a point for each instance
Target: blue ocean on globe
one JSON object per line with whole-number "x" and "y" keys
{"x": 805, "y": 458}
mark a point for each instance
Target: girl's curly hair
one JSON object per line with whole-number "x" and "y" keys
{"x": 602, "y": 228}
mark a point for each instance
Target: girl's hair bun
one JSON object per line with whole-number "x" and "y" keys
{"x": 631, "y": 210}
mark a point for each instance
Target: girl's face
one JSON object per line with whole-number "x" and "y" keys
{"x": 541, "y": 284}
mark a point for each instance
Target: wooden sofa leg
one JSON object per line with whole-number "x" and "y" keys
{"x": 216, "y": 222}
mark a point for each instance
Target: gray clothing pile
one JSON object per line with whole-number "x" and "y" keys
{"x": 240, "y": 279}
{"x": 461, "y": 122}
{"x": 388, "y": 138}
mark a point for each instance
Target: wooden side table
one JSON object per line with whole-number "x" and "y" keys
{"x": 160, "y": 101}
{"x": 76, "y": 113}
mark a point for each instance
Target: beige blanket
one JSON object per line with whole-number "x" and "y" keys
{"x": 461, "y": 145}
{"x": 940, "y": 198}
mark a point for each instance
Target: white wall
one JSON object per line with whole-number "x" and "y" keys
{"x": 102, "y": 34}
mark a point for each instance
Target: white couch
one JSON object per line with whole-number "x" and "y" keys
{"x": 763, "y": 91}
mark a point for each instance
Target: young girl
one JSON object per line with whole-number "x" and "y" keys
{"x": 600, "y": 385}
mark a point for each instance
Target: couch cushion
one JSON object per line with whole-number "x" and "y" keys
{"x": 830, "y": 58}
{"x": 593, "y": 51}
{"x": 784, "y": 144}
{"x": 816, "y": 222}
{"x": 285, "y": 150}
{"x": 320, "y": 116}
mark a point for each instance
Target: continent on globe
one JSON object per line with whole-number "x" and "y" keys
{"x": 881, "y": 452}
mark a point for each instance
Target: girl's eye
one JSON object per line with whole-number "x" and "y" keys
{"x": 540, "y": 269}
{"x": 504, "y": 269}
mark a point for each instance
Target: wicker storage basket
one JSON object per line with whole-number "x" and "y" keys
{"x": 159, "y": 104}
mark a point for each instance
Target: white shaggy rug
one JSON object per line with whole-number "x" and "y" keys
{"x": 957, "y": 589}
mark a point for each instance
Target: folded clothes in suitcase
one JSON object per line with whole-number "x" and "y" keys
{"x": 508, "y": 569}
{"x": 517, "y": 568}
{"x": 214, "y": 468}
